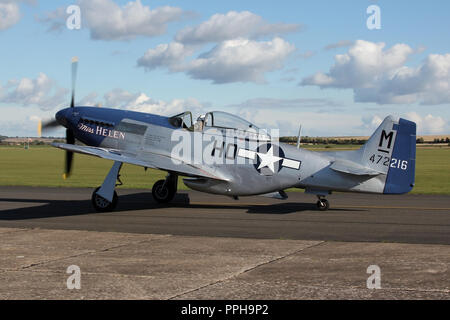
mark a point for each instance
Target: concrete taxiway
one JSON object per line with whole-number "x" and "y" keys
{"x": 205, "y": 246}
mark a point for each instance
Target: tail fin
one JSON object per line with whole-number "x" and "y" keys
{"x": 391, "y": 150}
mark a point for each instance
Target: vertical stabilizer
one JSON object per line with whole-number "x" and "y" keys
{"x": 391, "y": 150}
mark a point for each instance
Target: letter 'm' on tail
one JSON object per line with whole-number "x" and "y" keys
{"x": 391, "y": 150}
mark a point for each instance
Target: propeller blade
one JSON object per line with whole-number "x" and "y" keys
{"x": 70, "y": 139}
{"x": 44, "y": 125}
{"x": 74, "y": 78}
{"x": 68, "y": 167}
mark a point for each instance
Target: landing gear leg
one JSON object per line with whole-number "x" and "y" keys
{"x": 163, "y": 191}
{"x": 104, "y": 198}
{"x": 322, "y": 204}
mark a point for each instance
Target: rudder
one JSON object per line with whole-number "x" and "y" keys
{"x": 391, "y": 151}
{"x": 401, "y": 175}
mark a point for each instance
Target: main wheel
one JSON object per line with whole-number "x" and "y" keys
{"x": 323, "y": 205}
{"x": 101, "y": 204}
{"x": 162, "y": 192}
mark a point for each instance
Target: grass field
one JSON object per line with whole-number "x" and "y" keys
{"x": 43, "y": 166}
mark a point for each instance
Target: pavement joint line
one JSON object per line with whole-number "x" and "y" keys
{"x": 285, "y": 256}
{"x": 318, "y": 243}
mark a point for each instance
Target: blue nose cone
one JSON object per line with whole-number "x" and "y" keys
{"x": 61, "y": 116}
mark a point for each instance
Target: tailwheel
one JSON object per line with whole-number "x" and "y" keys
{"x": 101, "y": 204}
{"x": 323, "y": 204}
{"x": 163, "y": 191}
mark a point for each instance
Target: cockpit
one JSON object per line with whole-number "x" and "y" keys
{"x": 217, "y": 120}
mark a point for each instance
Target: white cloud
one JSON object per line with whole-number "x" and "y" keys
{"x": 365, "y": 64}
{"x": 9, "y": 14}
{"x": 108, "y": 21}
{"x": 175, "y": 106}
{"x": 239, "y": 60}
{"x": 22, "y": 122}
{"x": 232, "y": 25}
{"x": 380, "y": 75}
{"x": 119, "y": 98}
{"x": 428, "y": 124}
{"x": 116, "y": 97}
{"x": 89, "y": 100}
{"x": 371, "y": 122}
{"x": 169, "y": 55}
{"x": 41, "y": 91}
{"x": 237, "y": 56}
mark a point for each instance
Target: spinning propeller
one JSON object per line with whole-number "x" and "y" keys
{"x": 70, "y": 138}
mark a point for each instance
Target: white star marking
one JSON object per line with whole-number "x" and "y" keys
{"x": 268, "y": 159}
{"x": 289, "y": 163}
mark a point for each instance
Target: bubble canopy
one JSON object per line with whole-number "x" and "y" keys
{"x": 217, "y": 119}
{"x": 220, "y": 119}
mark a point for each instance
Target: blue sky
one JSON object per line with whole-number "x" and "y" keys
{"x": 266, "y": 61}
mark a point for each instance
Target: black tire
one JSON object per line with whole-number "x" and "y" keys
{"x": 161, "y": 193}
{"x": 323, "y": 205}
{"x": 101, "y": 204}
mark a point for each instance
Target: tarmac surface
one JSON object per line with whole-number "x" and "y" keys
{"x": 212, "y": 247}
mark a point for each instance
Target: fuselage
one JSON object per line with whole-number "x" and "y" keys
{"x": 252, "y": 164}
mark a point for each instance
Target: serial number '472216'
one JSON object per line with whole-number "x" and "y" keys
{"x": 394, "y": 163}
{"x": 399, "y": 164}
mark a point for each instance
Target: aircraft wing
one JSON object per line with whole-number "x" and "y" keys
{"x": 350, "y": 167}
{"x": 152, "y": 160}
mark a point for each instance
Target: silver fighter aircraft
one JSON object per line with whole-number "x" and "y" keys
{"x": 227, "y": 155}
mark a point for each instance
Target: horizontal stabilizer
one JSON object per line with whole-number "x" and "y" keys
{"x": 350, "y": 167}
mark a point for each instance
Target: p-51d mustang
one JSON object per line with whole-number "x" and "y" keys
{"x": 224, "y": 154}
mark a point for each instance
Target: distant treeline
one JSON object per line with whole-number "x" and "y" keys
{"x": 31, "y": 143}
{"x": 315, "y": 140}
{"x": 436, "y": 140}
{"x": 351, "y": 141}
